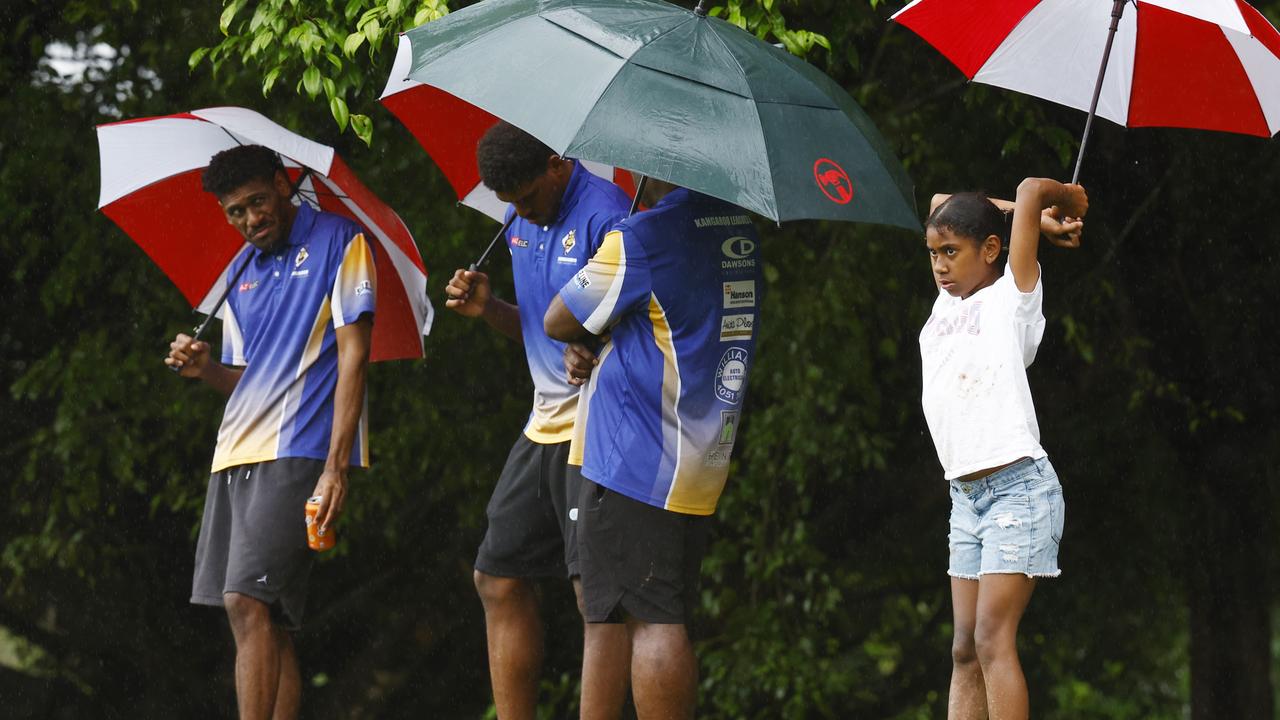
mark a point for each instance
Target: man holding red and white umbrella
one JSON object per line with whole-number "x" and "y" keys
{"x": 297, "y": 332}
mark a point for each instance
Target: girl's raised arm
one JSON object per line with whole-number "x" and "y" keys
{"x": 1034, "y": 196}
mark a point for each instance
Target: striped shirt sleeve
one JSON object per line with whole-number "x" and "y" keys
{"x": 356, "y": 284}
{"x": 615, "y": 281}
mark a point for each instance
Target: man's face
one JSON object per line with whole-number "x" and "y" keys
{"x": 538, "y": 200}
{"x": 261, "y": 211}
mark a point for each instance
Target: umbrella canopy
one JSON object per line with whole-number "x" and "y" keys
{"x": 449, "y": 129}
{"x": 1205, "y": 64}
{"x": 673, "y": 94}
{"x": 151, "y": 171}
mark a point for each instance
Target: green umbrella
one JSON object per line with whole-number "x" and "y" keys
{"x": 672, "y": 94}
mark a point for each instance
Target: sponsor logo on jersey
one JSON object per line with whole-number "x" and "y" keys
{"x": 364, "y": 288}
{"x": 731, "y": 375}
{"x": 737, "y": 253}
{"x": 563, "y": 260}
{"x": 737, "y": 327}
{"x": 740, "y": 294}
{"x": 519, "y": 242}
{"x": 568, "y": 241}
{"x": 300, "y": 273}
{"x": 581, "y": 280}
{"x": 247, "y": 286}
{"x": 728, "y": 427}
{"x": 301, "y": 257}
{"x": 717, "y": 457}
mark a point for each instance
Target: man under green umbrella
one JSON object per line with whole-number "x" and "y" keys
{"x": 676, "y": 288}
{"x": 561, "y": 212}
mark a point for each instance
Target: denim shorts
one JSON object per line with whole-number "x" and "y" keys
{"x": 1007, "y": 522}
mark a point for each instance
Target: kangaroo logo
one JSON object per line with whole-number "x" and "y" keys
{"x": 833, "y": 181}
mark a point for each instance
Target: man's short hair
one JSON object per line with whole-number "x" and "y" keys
{"x": 232, "y": 168}
{"x": 510, "y": 158}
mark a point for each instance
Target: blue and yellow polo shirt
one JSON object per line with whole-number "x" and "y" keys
{"x": 544, "y": 258}
{"x": 279, "y": 324}
{"x": 677, "y": 287}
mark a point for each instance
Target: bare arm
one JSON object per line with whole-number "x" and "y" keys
{"x": 193, "y": 361}
{"x": 560, "y": 324}
{"x": 469, "y": 295}
{"x": 1035, "y": 195}
{"x": 354, "y": 341}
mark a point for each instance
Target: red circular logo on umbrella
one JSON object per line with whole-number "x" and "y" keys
{"x": 833, "y": 181}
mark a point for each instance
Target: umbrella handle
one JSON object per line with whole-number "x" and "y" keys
{"x": 199, "y": 329}
{"x": 1117, "y": 9}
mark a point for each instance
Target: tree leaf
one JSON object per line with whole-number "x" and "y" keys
{"x": 196, "y": 56}
{"x": 311, "y": 81}
{"x": 353, "y": 43}
{"x": 363, "y": 128}
{"x": 338, "y": 107}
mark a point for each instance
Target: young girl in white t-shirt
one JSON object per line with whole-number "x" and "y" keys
{"x": 1006, "y": 504}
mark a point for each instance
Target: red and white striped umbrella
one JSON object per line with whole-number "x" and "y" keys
{"x": 449, "y": 129}
{"x": 1203, "y": 64}
{"x": 151, "y": 171}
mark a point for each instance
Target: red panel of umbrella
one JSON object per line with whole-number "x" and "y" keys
{"x": 151, "y": 171}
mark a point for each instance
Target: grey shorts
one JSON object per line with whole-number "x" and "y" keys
{"x": 533, "y": 515}
{"x": 253, "y": 539}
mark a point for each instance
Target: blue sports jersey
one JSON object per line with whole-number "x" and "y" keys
{"x": 677, "y": 288}
{"x": 279, "y": 323}
{"x": 543, "y": 258}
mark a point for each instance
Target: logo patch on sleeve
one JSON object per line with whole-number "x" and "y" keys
{"x": 581, "y": 280}
{"x": 364, "y": 288}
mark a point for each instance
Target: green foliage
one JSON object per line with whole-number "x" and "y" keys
{"x": 325, "y": 46}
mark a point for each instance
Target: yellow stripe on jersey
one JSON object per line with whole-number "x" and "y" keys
{"x": 671, "y": 430}
{"x": 607, "y": 266}
{"x": 357, "y": 275}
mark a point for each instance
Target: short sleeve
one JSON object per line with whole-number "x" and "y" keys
{"x": 615, "y": 280}
{"x": 1028, "y": 315}
{"x": 232, "y": 338}
{"x": 356, "y": 284}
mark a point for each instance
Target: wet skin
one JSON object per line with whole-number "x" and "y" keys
{"x": 260, "y": 211}
{"x": 962, "y": 265}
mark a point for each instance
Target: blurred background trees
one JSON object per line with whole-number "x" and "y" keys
{"x": 825, "y": 593}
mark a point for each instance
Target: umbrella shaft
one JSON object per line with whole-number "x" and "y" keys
{"x": 1117, "y": 9}
{"x": 476, "y": 265}
{"x": 635, "y": 202}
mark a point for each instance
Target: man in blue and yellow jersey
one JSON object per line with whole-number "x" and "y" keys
{"x": 295, "y": 346}
{"x": 561, "y": 214}
{"x": 676, "y": 289}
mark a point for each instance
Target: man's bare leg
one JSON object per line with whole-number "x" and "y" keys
{"x": 606, "y": 670}
{"x": 664, "y": 671}
{"x": 514, "y": 631}
{"x": 258, "y": 656}
{"x": 289, "y": 687}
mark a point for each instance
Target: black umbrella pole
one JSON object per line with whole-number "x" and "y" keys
{"x": 484, "y": 256}
{"x": 1117, "y": 9}
{"x": 217, "y": 306}
{"x": 635, "y": 202}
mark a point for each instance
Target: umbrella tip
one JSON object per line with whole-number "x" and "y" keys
{"x": 701, "y": 10}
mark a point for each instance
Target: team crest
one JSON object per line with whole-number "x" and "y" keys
{"x": 568, "y": 241}
{"x": 302, "y": 257}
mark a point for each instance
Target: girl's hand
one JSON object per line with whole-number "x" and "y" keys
{"x": 1064, "y": 232}
{"x": 1073, "y": 201}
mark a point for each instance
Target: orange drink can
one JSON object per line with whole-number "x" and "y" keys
{"x": 317, "y": 539}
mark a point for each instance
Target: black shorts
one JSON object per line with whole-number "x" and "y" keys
{"x": 253, "y": 539}
{"x": 638, "y": 558}
{"x": 532, "y": 515}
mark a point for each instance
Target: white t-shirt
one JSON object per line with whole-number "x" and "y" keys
{"x": 974, "y": 353}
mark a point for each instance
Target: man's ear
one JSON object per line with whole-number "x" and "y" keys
{"x": 282, "y": 183}
{"x": 991, "y": 249}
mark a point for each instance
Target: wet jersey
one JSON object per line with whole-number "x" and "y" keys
{"x": 543, "y": 258}
{"x": 279, "y": 323}
{"x": 677, "y": 289}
